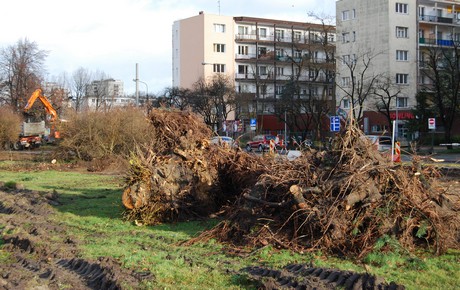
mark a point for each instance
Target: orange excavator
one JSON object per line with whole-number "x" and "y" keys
{"x": 32, "y": 133}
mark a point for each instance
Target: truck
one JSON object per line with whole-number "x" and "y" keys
{"x": 33, "y": 133}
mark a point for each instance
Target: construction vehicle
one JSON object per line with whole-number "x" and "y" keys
{"x": 34, "y": 134}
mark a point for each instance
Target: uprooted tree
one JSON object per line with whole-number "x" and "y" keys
{"x": 339, "y": 201}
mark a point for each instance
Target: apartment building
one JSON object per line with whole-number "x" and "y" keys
{"x": 106, "y": 93}
{"x": 393, "y": 35}
{"x": 262, "y": 57}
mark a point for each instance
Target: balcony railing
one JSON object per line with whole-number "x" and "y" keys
{"x": 270, "y": 56}
{"x": 439, "y": 42}
{"x": 285, "y": 78}
{"x": 283, "y": 39}
{"x": 438, "y": 19}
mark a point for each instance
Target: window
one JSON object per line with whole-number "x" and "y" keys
{"x": 242, "y": 69}
{"x": 312, "y": 74}
{"x": 401, "y": 102}
{"x": 296, "y": 71}
{"x": 279, "y": 90}
{"x": 262, "y": 70}
{"x": 280, "y": 71}
{"x": 313, "y": 91}
{"x": 262, "y": 50}
{"x": 353, "y": 13}
{"x": 279, "y": 52}
{"x": 402, "y": 32}
{"x": 297, "y": 35}
{"x": 219, "y": 47}
{"x": 219, "y": 28}
{"x": 243, "y": 49}
{"x": 345, "y": 37}
{"x": 262, "y": 32}
{"x": 401, "y": 55}
{"x": 401, "y": 78}
{"x": 297, "y": 53}
{"x": 345, "y": 15}
{"x": 346, "y": 59}
{"x": 401, "y": 8}
{"x": 219, "y": 68}
{"x": 242, "y": 30}
{"x": 346, "y": 81}
{"x": 353, "y": 36}
{"x": 346, "y": 103}
{"x": 263, "y": 89}
{"x": 279, "y": 33}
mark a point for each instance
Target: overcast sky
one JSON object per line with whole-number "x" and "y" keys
{"x": 111, "y": 36}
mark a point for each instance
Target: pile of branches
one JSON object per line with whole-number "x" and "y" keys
{"x": 342, "y": 202}
{"x": 179, "y": 175}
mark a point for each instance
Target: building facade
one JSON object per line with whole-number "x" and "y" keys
{"x": 106, "y": 93}
{"x": 394, "y": 37}
{"x": 263, "y": 57}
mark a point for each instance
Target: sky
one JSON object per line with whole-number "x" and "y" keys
{"x": 111, "y": 36}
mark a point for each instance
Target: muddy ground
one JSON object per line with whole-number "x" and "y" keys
{"x": 40, "y": 261}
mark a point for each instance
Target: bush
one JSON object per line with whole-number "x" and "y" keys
{"x": 10, "y": 127}
{"x": 99, "y": 135}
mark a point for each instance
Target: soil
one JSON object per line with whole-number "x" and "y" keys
{"x": 39, "y": 260}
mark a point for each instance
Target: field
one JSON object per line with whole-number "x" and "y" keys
{"x": 62, "y": 227}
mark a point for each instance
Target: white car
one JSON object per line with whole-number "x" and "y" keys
{"x": 224, "y": 141}
{"x": 381, "y": 143}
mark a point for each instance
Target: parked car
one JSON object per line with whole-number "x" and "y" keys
{"x": 381, "y": 143}
{"x": 260, "y": 142}
{"x": 224, "y": 141}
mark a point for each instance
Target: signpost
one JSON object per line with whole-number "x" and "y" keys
{"x": 432, "y": 126}
{"x": 253, "y": 124}
{"x": 335, "y": 123}
{"x": 432, "y": 123}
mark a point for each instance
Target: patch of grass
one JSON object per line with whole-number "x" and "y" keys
{"x": 92, "y": 212}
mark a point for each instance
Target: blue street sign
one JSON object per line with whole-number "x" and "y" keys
{"x": 335, "y": 123}
{"x": 253, "y": 124}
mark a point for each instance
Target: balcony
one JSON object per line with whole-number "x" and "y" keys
{"x": 438, "y": 42}
{"x": 270, "y": 77}
{"x": 437, "y": 19}
{"x": 289, "y": 39}
{"x": 271, "y": 57}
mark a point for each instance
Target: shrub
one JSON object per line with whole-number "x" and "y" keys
{"x": 10, "y": 127}
{"x": 98, "y": 135}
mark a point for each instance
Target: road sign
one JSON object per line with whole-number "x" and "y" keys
{"x": 335, "y": 123}
{"x": 253, "y": 124}
{"x": 432, "y": 123}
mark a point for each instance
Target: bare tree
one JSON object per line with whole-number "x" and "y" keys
{"x": 385, "y": 93}
{"x": 360, "y": 82}
{"x": 175, "y": 97}
{"x": 214, "y": 99}
{"x": 304, "y": 104}
{"x": 81, "y": 79}
{"x": 443, "y": 88}
{"x": 22, "y": 70}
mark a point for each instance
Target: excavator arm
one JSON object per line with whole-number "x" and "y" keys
{"x": 48, "y": 107}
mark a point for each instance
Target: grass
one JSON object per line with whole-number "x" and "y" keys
{"x": 92, "y": 213}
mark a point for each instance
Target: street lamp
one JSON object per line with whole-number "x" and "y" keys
{"x": 146, "y": 89}
{"x": 137, "y": 94}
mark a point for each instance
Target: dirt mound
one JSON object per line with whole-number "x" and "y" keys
{"x": 38, "y": 259}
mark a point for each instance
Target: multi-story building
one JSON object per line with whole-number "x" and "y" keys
{"x": 388, "y": 39}
{"x": 263, "y": 57}
{"x": 106, "y": 93}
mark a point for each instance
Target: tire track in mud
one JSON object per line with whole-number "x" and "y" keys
{"x": 301, "y": 276}
{"x": 42, "y": 254}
